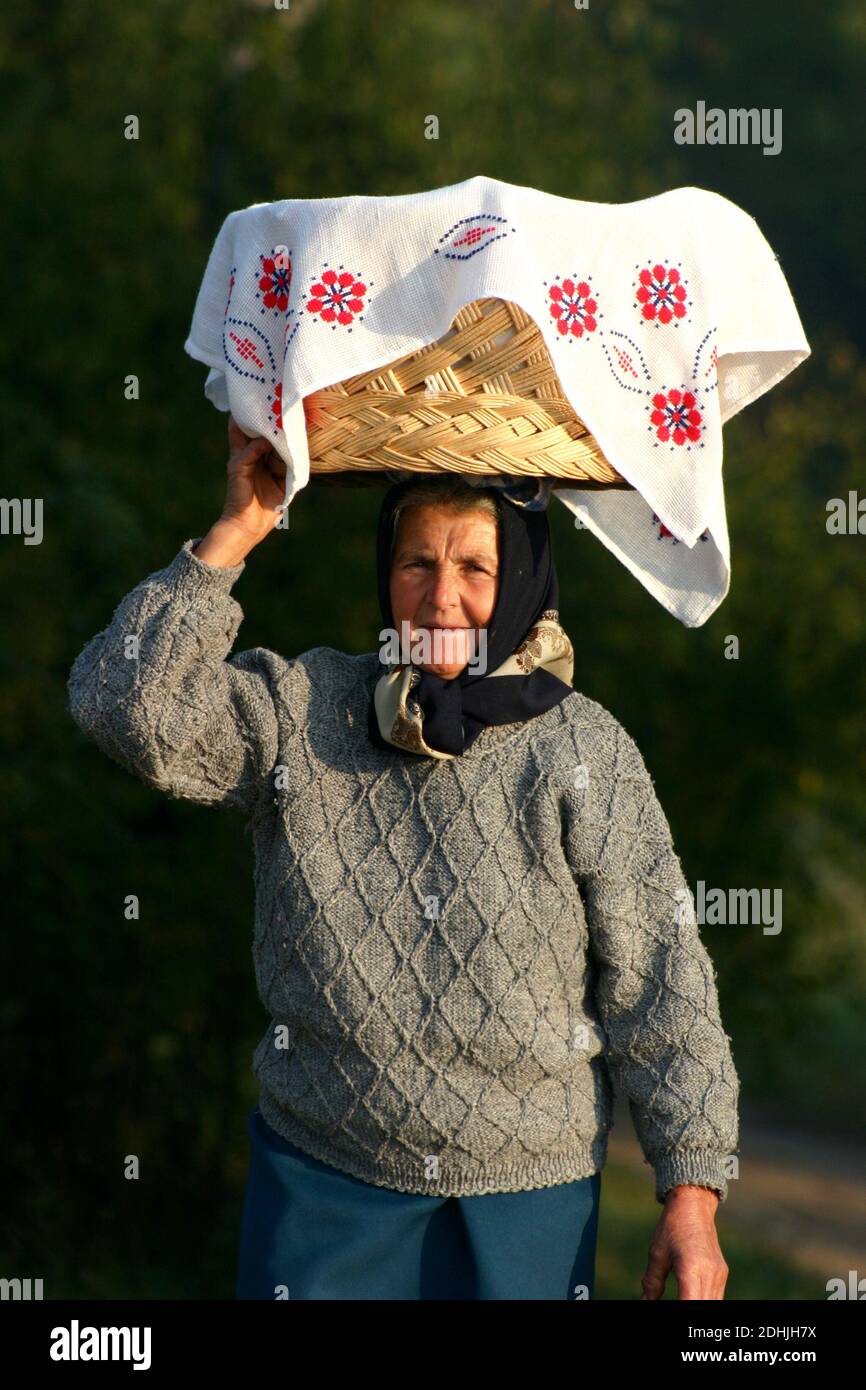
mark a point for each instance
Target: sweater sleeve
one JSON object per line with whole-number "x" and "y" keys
{"x": 655, "y": 986}
{"x": 155, "y": 691}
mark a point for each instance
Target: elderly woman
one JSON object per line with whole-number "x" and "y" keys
{"x": 470, "y": 916}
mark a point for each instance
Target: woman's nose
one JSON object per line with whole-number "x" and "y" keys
{"x": 444, "y": 590}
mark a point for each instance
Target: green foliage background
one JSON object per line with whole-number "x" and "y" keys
{"x": 136, "y": 1037}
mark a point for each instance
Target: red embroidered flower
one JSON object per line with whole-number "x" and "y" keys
{"x": 338, "y": 298}
{"x": 662, "y": 294}
{"x": 277, "y": 405}
{"x": 276, "y": 281}
{"x": 573, "y": 308}
{"x": 675, "y": 416}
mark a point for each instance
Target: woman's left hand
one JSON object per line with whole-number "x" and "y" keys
{"x": 686, "y": 1242}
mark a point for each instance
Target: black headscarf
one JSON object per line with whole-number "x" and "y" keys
{"x": 455, "y": 711}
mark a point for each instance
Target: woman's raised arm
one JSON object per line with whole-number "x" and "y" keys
{"x": 156, "y": 689}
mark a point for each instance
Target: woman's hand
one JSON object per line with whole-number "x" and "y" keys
{"x": 255, "y": 491}
{"x": 685, "y": 1241}
{"x": 255, "y": 487}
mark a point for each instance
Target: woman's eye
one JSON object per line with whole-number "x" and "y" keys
{"x": 424, "y": 564}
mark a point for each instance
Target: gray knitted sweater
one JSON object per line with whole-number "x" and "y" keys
{"x": 458, "y": 957}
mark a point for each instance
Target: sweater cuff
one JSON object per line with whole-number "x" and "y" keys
{"x": 690, "y": 1168}
{"x": 193, "y": 576}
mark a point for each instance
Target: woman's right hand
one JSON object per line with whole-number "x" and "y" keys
{"x": 256, "y": 484}
{"x": 255, "y": 491}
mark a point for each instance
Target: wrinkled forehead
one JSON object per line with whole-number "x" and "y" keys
{"x": 427, "y": 515}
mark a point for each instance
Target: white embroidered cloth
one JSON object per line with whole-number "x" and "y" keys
{"x": 663, "y": 318}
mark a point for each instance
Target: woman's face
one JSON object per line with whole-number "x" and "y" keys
{"x": 445, "y": 574}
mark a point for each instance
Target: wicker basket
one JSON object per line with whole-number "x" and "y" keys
{"x": 483, "y": 399}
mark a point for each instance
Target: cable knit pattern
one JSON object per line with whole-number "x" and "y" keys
{"x": 458, "y": 958}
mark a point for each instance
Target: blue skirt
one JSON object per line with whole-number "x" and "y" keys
{"x": 311, "y": 1231}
